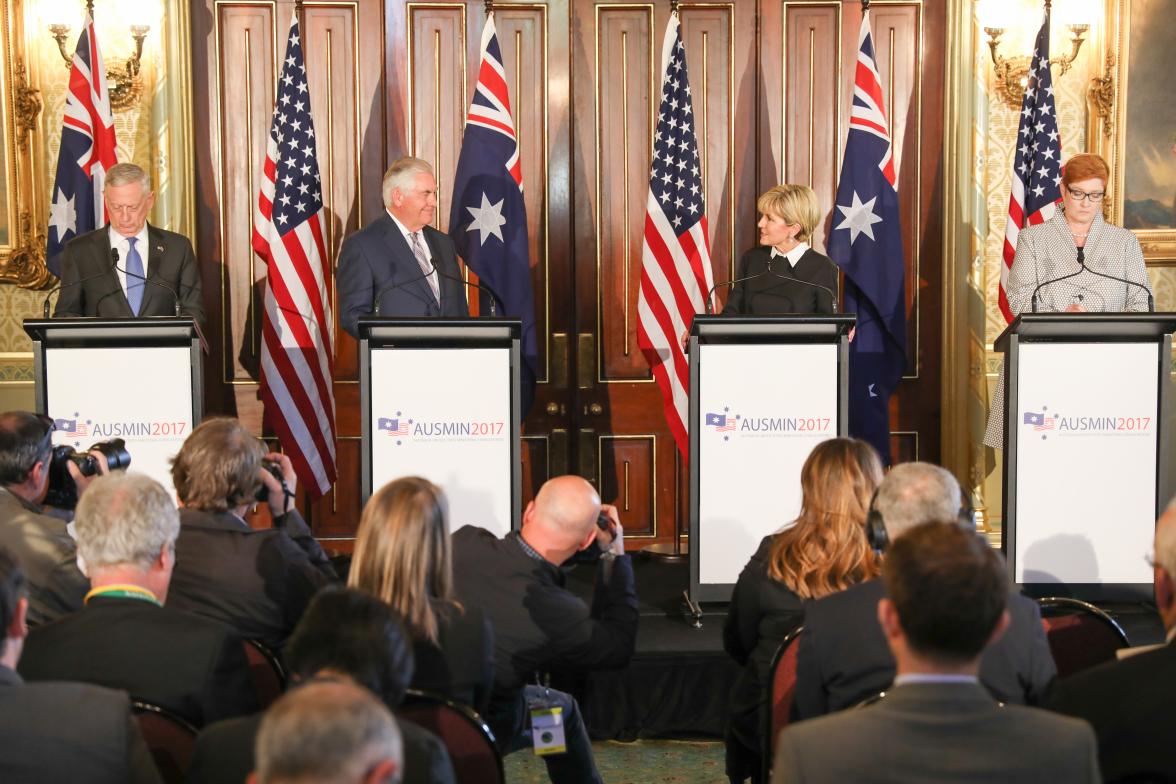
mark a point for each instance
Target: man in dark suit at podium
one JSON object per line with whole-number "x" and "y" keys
{"x": 393, "y": 257}
{"x": 153, "y": 268}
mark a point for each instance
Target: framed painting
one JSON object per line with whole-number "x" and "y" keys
{"x": 1135, "y": 126}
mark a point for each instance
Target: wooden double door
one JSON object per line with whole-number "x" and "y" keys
{"x": 771, "y": 84}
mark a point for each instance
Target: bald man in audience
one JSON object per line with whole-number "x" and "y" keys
{"x": 328, "y": 733}
{"x": 1130, "y": 703}
{"x": 539, "y": 625}
{"x": 126, "y": 638}
{"x": 843, "y": 657}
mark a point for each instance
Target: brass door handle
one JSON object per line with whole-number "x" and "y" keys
{"x": 552, "y": 408}
{"x": 595, "y": 409}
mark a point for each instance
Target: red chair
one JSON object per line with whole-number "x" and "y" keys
{"x": 170, "y": 739}
{"x": 466, "y": 736}
{"x": 782, "y": 685}
{"x": 1080, "y": 635}
{"x": 265, "y": 673}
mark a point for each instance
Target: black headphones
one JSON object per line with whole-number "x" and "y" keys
{"x": 876, "y": 527}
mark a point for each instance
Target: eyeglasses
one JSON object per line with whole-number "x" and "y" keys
{"x": 1084, "y": 196}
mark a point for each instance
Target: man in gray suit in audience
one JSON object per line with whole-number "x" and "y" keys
{"x": 946, "y": 599}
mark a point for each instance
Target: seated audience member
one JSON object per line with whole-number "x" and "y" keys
{"x": 824, "y": 551}
{"x": 328, "y": 733}
{"x": 258, "y": 581}
{"x": 539, "y": 625}
{"x": 54, "y": 732}
{"x": 344, "y": 635}
{"x": 41, "y": 542}
{"x": 403, "y": 556}
{"x": 1130, "y": 703}
{"x": 843, "y": 657}
{"x": 946, "y": 593}
{"x": 125, "y": 638}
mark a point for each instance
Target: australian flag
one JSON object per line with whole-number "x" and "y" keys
{"x": 866, "y": 242}
{"x": 488, "y": 221}
{"x": 87, "y": 151}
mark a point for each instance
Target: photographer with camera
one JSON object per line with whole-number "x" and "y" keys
{"x": 258, "y": 581}
{"x": 42, "y": 541}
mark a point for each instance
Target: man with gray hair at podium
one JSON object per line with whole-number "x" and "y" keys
{"x": 129, "y": 268}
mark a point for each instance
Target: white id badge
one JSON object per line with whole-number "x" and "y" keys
{"x": 547, "y": 730}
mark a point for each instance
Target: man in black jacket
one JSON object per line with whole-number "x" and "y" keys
{"x": 541, "y": 626}
{"x": 843, "y": 657}
{"x": 257, "y": 580}
{"x": 1129, "y": 703}
{"x": 125, "y": 638}
{"x": 56, "y": 731}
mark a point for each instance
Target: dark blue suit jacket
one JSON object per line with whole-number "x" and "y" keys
{"x": 377, "y": 256}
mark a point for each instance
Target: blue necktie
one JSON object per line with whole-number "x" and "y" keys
{"x": 135, "y": 285}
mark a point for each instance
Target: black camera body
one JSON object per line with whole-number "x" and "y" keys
{"x": 63, "y": 492}
{"x": 275, "y": 470}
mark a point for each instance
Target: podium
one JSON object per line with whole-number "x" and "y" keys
{"x": 1088, "y": 450}
{"x": 439, "y": 398}
{"x": 763, "y": 392}
{"x": 139, "y": 379}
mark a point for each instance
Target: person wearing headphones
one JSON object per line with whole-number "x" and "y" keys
{"x": 843, "y": 657}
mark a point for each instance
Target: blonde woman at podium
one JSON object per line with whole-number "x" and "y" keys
{"x": 1075, "y": 262}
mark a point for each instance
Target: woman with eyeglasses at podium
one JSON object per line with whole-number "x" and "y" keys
{"x": 1074, "y": 262}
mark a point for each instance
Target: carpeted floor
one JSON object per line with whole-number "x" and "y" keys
{"x": 640, "y": 762}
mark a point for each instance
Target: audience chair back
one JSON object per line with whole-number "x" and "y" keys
{"x": 266, "y": 673}
{"x": 1080, "y": 635}
{"x": 466, "y": 736}
{"x": 169, "y": 738}
{"x": 782, "y": 680}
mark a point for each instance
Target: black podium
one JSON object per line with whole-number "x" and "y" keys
{"x": 1088, "y": 450}
{"x": 440, "y": 398}
{"x": 139, "y": 379}
{"x": 763, "y": 392}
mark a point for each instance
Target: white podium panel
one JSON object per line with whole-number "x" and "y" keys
{"x": 1086, "y": 462}
{"x": 141, "y": 395}
{"x": 428, "y": 421}
{"x": 754, "y": 433}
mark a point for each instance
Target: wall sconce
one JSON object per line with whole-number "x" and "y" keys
{"x": 123, "y": 79}
{"x": 1012, "y": 74}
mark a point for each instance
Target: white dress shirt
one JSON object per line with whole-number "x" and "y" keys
{"x": 119, "y": 242}
{"x": 792, "y": 256}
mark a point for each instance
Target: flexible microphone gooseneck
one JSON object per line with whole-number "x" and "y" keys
{"x": 1033, "y": 301}
{"x": 494, "y": 298}
{"x": 770, "y": 271}
{"x": 1151, "y": 302}
{"x": 60, "y": 286}
{"x": 392, "y": 287}
{"x": 175, "y": 294}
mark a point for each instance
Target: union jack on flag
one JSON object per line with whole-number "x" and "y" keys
{"x": 1037, "y": 165}
{"x": 866, "y": 242}
{"x": 675, "y": 256}
{"x": 488, "y": 219}
{"x": 296, "y": 351}
{"x": 87, "y": 151}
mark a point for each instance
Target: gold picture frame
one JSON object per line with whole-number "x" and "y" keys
{"x": 1135, "y": 134}
{"x": 22, "y": 236}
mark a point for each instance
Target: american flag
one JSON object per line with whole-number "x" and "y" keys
{"x": 866, "y": 242}
{"x": 1037, "y": 164}
{"x": 488, "y": 219}
{"x": 675, "y": 257}
{"x": 87, "y": 151}
{"x": 720, "y": 422}
{"x": 296, "y": 352}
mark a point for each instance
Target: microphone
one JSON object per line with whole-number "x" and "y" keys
{"x": 162, "y": 285}
{"x": 1151, "y": 302}
{"x": 770, "y": 271}
{"x": 826, "y": 289}
{"x": 1044, "y": 283}
{"x": 392, "y": 287}
{"x": 732, "y": 282}
{"x": 494, "y": 298}
{"x": 60, "y": 286}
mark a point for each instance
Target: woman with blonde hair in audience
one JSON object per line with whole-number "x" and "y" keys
{"x": 823, "y": 551}
{"x": 403, "y": 556}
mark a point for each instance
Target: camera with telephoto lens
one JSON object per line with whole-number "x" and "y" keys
{"x": 63, "y": 492}
{"x": 275, "y": 470}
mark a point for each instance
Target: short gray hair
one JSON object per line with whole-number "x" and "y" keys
{"x": 125, "y": 174}
{"x": 125, "y": 519}
{"x": 916, "y": 493}
{"x": 400, "y": 174}
{"x": 326, "y": 732}
{"x": 1166, "y": 540}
